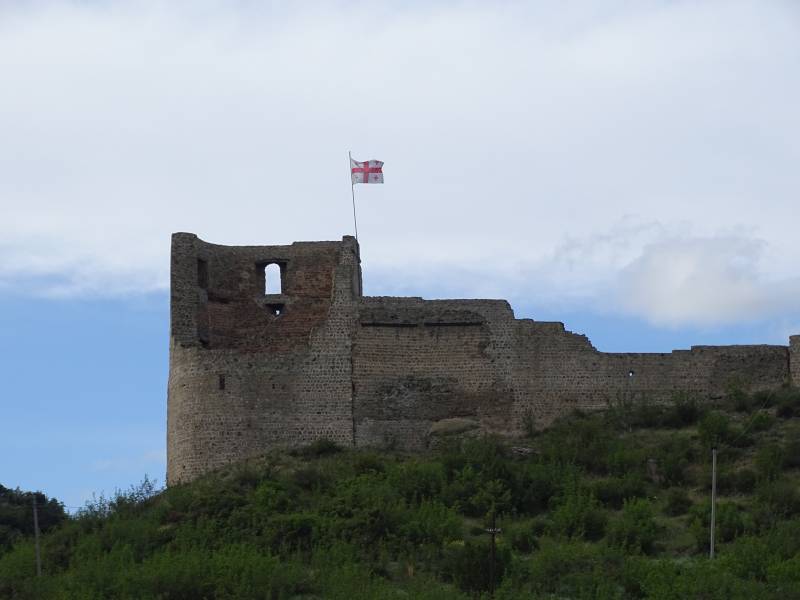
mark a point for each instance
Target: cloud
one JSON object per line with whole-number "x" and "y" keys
{"x": 540, "y": 151}
{"x": 703, "y": 281}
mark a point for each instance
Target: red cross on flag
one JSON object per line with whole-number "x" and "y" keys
{"x": 370, "y": 171}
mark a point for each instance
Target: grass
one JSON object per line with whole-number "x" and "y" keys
{"x": 587, "y": 515}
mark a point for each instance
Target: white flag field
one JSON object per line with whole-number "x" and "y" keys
{"x": 369, "y": 171}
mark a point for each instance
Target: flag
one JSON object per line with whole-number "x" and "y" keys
{"x": 370, "y": 171}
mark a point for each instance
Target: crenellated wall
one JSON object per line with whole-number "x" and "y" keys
{"x": 251, "y": 369}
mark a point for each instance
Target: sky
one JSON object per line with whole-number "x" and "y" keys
{"x": 629, "y": 168}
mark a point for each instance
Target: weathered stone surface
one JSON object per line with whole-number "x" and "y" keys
{"x": 446, "y": 427}
{"x": 251, "y": 370}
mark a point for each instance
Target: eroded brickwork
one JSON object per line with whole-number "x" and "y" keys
{"x": 251, "y": 369}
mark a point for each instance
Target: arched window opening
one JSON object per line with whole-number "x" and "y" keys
{"x": 272, "y": 279}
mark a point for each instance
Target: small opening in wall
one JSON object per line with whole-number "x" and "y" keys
{"x": 272, "y": 279}
{"x": 222, "y": 382}
{"x": 276, "y": 310}
{"x": 631, "y": 373}
{"x": 202, "y": 274}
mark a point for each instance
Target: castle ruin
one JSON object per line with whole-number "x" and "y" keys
{"x": 281, "y": 361}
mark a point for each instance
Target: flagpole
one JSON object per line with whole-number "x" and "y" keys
{"x": 352, "y": 192}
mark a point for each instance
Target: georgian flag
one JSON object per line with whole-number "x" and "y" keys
{"x": 370, "y": 171}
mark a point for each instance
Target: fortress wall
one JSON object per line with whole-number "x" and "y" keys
{"x": 257, "y": 380}
{"x": 250, "y": 371}
{"x": 417, "y": 362}
{"x": 557, "y": 372}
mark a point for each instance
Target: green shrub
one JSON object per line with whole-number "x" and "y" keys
{"x": 683, "y": 411}
{"x": 788, "y": 402}
{"x": 522, "y": 535}
{"x": 786, "y": 410}
{"x": 678, "y": 502}
{"x": 779, "y": 499}
{"x": 537, "y": 483}
{"x": 748, "y": 557}
{"x": 613, "y": 491}
{"x": 731, "y": 521}
{"x": 769, "y": 462}
{"x": 417, "y": 480}
{"x": 714, "y": 429}
{"x": 368, "y": 463}
{"x": 673, "y": 458}
{"x": 761, "y": 421}
{"x": 311, "y": 478}
{"x": 584, "y": 443}
{"x": 741, "y": 400}
{"x": 764, "y": 399}
{"x": 468, "y": 565}
{"x": 565, "y": 569}
{"x": 744, "y": 481}
{"x": 319, "y": 448}
{"x": 635, "y": 530}
{"x": 577, "y": 514}
{"x": 791, "y": 454}
{"x": 646, "y": 415}
{"x": 430, "y": 523}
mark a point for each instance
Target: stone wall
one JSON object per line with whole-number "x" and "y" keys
{"x": 794, "y": 351}
{"x": 251, "y": 370}
{"x": 418, "y": 362}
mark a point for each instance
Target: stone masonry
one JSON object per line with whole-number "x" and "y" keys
{"x": 255, "y": 366}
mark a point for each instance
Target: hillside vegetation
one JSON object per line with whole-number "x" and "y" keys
{"x": 607, "y": 505}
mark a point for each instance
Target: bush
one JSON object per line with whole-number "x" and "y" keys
{"x": 769, "y": 462}
{"x": 731, "y": 522}
{"x": 430, "y": 523}
{"x": 468, "y": 565}
{"x": 635, "y": 530}
{"x": 714, "y": 429}
{"x": 780, "y": 499}
{"x": 788, "y": 402}
{"x": 319, "y": 448}
{"x": 741, "y": 401}
{"x": 368, "y": 463}
{"x": 522, "y": 535}
{"x": 417, "y": 480}
{"x": 764, "y": 399}
{"x": 537, "y": 484}
{"x": 673, "y": 458}
{"x": 577, "y": 514}
{"x": 791, "y": 454}
{"x": 565, "y": 569}
{"x": 744, "y": 481}
{"x": 761, "y": 422}
{"x": 311, "y": 478}
{"x": 584, "y": 443}
{"x": 678, "y": 502}
{"x": 683, "y": 412}
{"x": 613, "y": 491}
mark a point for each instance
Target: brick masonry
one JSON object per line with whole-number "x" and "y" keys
{"x": 254, "y": 368}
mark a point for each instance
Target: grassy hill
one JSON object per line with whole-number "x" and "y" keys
{"x": 608, "y": 505}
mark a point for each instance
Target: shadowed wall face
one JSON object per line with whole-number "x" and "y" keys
{"x": 257, "y": 363}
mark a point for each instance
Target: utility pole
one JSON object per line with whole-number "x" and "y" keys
{"x": 36, "y": 537}
{"x": 713, "y": 499}
{"x": 493, "y": 531}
